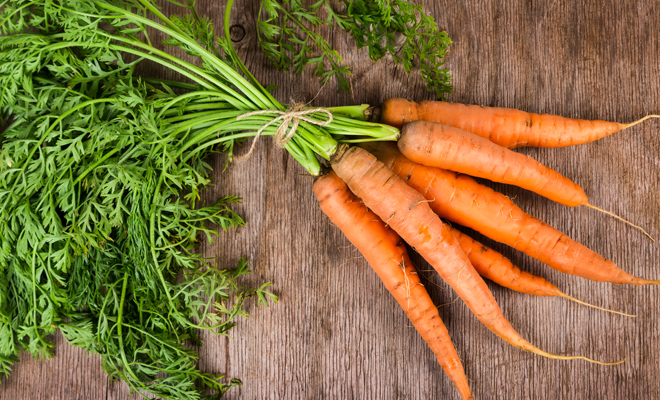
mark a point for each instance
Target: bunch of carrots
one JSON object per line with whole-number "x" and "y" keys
{"x": 382, "y": 196}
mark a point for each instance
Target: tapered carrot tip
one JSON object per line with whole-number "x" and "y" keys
{"x": 639, "y": 120}
{"x": 611, "y": 214}
{"x": 558, "y": 357}
{"x": 588, "y": 360}
{"x": 533, "y": 349}
{"x": 645, "y": 282}
{"x": 564, "y": 295}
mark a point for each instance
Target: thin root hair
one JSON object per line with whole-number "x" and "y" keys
{"x": 620, "y": 219}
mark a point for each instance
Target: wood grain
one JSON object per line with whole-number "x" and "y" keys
{"x": 336, "y": 332}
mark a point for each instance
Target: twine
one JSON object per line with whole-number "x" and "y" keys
{"x": 295, "y": 114}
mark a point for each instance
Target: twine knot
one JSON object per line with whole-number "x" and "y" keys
{"x": 292, "y": 116}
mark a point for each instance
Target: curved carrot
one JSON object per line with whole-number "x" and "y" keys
{"x": 461, "y": 199}
{"x": 499, "y": 269}
{"x": 505, "y": 126}
{"x": 386, "y": 253}
{"x": 408, "y": 213}
{"x": 446, "y": 147}
{"x": 494, "y": 266}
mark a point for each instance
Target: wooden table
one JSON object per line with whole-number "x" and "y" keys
{"x": 337, "y": 333}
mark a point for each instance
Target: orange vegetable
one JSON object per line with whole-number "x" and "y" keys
{"x": 494, "y": 266}
{"x": 505, "y": 126}
{"x": 408, "y": 213}
{"x": 386, "y": 253}
{"x": 461, "y": 199}
{"x": 446, "y": 147}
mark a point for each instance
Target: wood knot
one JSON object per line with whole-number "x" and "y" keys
{"x": 236, "y": 33}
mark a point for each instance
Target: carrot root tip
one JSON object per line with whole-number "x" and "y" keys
{"x": 558, "y": 357}
{"x": 650, "y": 281}
{"x": 564, "y": 295}
{"x": 640, "y": 120}
{"x": 599, "y": 362}
{"x": 611, "y": 214}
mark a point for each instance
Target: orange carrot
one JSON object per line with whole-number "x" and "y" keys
{"x": 461, "y": 199}
{"x": 443, "y": 146}
{"x": 494, "y": 266}
{"x": 409, "y": 214}
{"x": 386, "y": 253}
{"x": 504, "y": 126}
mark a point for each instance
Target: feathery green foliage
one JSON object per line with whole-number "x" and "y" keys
{"x": 100, "y": 178}
{"x": 98, "y": 224}
{"x": 395, "y": 27}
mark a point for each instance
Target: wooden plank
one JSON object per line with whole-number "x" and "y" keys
{"x": 336, "y": 333}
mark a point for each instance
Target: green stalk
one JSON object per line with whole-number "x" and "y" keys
{"x": 200, "y": 122}
{"x": 152, "y": 239}
{"x": 309, "y": 140}
{"x": 304, "y": 156}
{"x": 199, "y": 138}
{"x": 187, "y": 65}
{"x": 172, "y": 30}
{"x": 120, "y": 338}
{"x": 186, "y": 117}
{"x": 172, "y": 84}
{"x": 96, "y": 164}
{"x": 33, "y": 276}
{"x": 189, "y": 95}
{"x": 355, "y": 112}
{"x": 237, "y": 136}
{"x": 238, "y": 80}
{"x": 237, "y": 102}
{"x": 238, "y": 61}
{"x": 179, "y": 120}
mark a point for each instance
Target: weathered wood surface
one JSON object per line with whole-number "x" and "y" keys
{"x": 337, "y": 333}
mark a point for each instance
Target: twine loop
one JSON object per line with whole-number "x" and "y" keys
{"x": 292, "y": 116}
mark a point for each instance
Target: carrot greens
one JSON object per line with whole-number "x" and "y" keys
{"x": 101, "y": 172}
{"x": 396, "y": 28}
